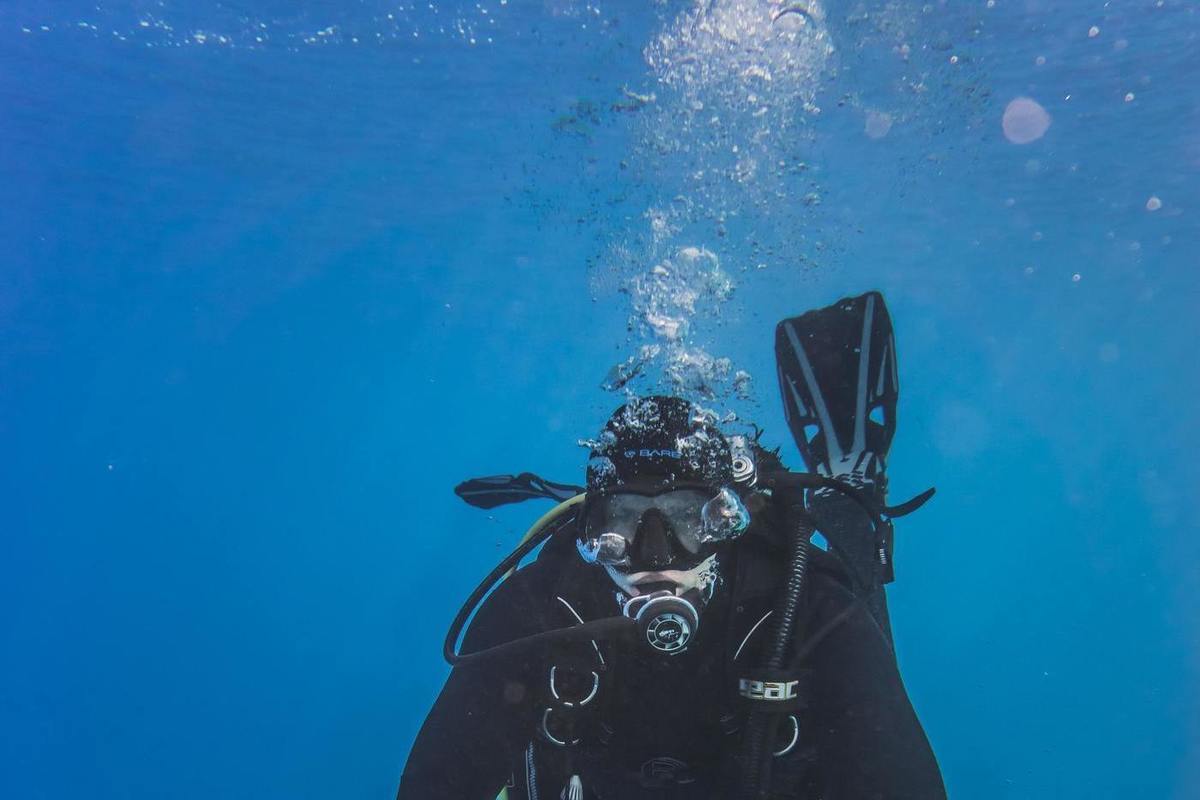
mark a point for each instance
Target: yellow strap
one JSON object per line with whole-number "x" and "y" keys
{"x": 548, "y": 518}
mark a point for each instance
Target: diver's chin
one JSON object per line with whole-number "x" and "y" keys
{"x": 637, "y": 584}
{"x": 675, "y": 581}
{"x": 655, "y": 587}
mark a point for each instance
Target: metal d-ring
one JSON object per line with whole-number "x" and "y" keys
{"x": 574, "y": 703}
{"x": 550, "y": 737}
{"x": 787, "y": 748}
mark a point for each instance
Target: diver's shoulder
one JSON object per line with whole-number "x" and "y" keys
{"x": 530, "y": 589}
{"x": 766, "y": 549}
{"x": 828, "y": 568}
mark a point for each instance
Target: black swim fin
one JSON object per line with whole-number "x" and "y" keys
{"x": 499, "y": 490}
{"x": 840, "y": 386}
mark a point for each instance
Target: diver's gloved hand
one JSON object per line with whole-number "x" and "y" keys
{"x": 850, "y": 532}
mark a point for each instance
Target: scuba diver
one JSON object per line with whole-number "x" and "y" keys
{"x": 680, "y": 636}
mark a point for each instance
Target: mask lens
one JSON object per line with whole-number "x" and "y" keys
{"x": 682, "y": 508}
{"x": 696, "y": 516}
{"x": 607, "y": 548}
{"x": 621, "y": 513}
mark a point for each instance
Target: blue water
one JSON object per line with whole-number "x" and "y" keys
{"x": 273, "y": 281}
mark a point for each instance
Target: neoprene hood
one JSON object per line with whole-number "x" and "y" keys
{"x": 659, "y": 439}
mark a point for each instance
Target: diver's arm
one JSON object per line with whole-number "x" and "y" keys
{"x": 465, "y": 747}
{"x": 481, "y": 719}
{"x": 871, "y": 742}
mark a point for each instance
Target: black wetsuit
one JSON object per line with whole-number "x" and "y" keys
{"x": 669, "y": 727}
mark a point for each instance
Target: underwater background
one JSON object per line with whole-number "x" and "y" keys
{"x": 275, "y": 276}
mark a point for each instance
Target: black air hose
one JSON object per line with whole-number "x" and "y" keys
{"x": 596, "y": 630}
{"x": 793, "y": 589}
{"x": 760, "y": 729}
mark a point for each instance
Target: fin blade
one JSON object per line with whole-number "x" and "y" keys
{"x": 837, "y": 372}
{"x": 491, "y": 491}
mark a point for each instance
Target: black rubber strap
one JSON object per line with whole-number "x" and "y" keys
{"x": 909, "y": 506}
{"x": 830, "y": 625}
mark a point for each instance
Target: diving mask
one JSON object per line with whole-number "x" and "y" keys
{"x": 621, "y": 523}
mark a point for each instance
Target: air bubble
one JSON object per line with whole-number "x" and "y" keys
{"x": 878, "y": 124}
{"x": 1024, "y": 121}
